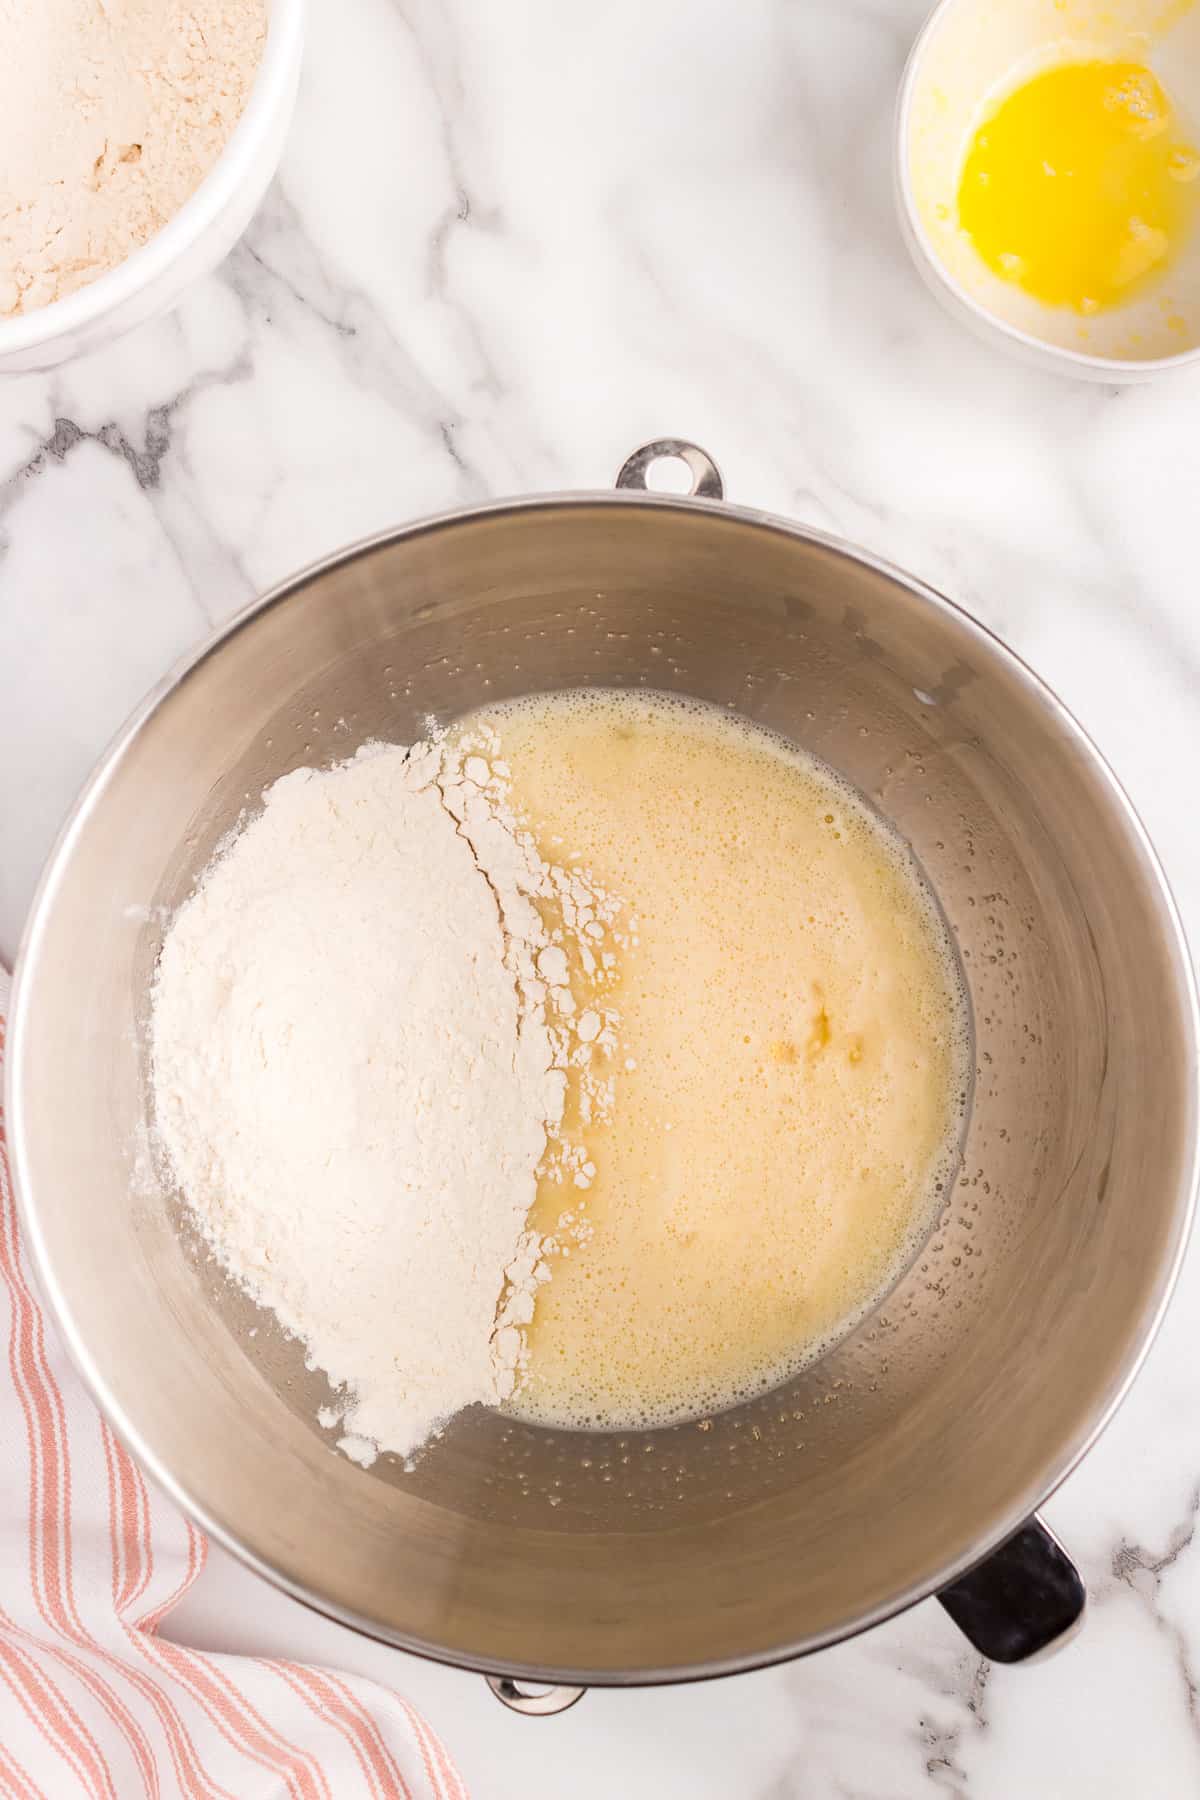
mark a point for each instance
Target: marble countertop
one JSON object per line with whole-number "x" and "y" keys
{"x": 508, "y": 244}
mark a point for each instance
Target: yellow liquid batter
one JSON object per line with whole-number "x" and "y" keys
{"x": 1076, "y": 187}
{"x": 791, "y": 1070}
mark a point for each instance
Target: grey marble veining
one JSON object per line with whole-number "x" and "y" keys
{"x": 508, "y": 244}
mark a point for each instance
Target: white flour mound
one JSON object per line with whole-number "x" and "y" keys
{"x": 111, "y": 114}
{"x": 356, "y": 1093}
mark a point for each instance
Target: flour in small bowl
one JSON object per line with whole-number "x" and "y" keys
{"x": 366, "y": 1049}
{"x": 112, "y": 112}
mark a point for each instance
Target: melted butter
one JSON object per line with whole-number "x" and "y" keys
{"x": 1076, "y": 187}
{"x": 791, "y": 1066}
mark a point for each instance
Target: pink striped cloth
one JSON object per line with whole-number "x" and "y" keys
{"x": 94, "y": 1703}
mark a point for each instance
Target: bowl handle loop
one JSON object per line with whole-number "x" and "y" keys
{"x": 706, "y": 477}
{"x": 1026, "y": 1599}
{"x": 533, "y": 1698}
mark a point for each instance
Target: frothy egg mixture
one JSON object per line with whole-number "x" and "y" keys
{"x": 791, "y": 1064}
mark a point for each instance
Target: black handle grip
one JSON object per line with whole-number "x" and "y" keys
{"x": 1026, "y": 1598}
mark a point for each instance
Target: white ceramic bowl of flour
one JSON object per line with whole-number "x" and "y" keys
{"x": 153, "y": 278}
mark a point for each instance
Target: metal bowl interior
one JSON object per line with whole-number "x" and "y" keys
{"x": 933, "y": 1429}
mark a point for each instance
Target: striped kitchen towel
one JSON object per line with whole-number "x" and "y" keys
{"x": 94, "y": 1702}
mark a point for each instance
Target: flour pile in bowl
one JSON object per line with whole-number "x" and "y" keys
{"x": 365, "y": 1046}
{"x": 112, "y": 112}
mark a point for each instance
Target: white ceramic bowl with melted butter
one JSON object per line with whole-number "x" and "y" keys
{"x": 969, "y": 52}
{"x": 204, "y": 230}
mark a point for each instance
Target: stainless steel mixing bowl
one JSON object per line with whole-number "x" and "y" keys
{"x": 922, "y": 1443}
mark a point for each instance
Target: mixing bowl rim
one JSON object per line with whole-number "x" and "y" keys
{"x": 52, "y": 874}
